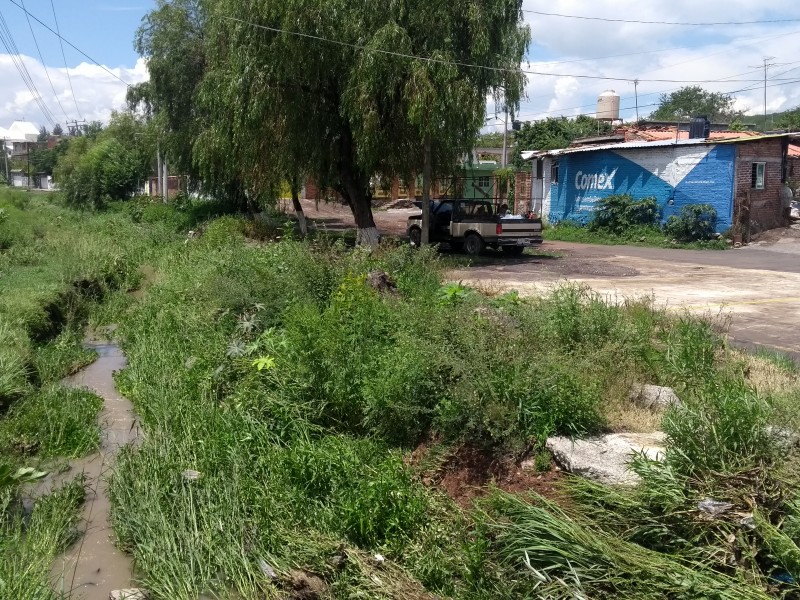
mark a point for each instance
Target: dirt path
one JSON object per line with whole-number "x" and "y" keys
{"x": 93, "y": 567}
{"x": 338, "y": 217}
{"x": 757, "y": 289}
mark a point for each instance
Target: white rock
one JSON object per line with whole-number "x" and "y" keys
{"x": 654, "y": 396}
{"x": 605, "y": 458}
{"x": 129, "y": 594}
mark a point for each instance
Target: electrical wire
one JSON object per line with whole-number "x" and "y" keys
{"x": 16, "y": 58}
{"x": 70, "y": 44}
{"x": 463, "y": 64}
{"x": 63, "y": 55}
{"x": 41, "y": 58}
{"x": 640, "y": 22}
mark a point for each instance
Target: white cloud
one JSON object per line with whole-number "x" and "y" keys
{"x": 97, "y": 92}
{"x": 668, "y": 52}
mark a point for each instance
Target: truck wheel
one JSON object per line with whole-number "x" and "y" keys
{"x": 474, "y": 244}
{"x": 513, "y": 250}
{"x": 415, "y": 236}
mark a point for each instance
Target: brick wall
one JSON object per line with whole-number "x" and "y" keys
{"x": 793, "y": 171}
{"x": 760, "y": 209}
{"x": 522, "y": 191}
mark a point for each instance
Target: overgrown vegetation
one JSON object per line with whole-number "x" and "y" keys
{"x": 55, "y": 268}
{"x": 622, "y": 219}
{"x": 283, "y": 386}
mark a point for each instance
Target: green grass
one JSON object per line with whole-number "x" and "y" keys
{"x": 297, "y": 392}
{"x": 29, "y": 545}
{"x": 633, "y": 236}
{"x": 56, "y": 268}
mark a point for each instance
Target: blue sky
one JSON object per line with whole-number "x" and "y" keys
{"x": 104, "y": 29}
{"x": 570, "y": 51}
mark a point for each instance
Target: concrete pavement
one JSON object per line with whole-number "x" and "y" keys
{"x": 757, "y": 288}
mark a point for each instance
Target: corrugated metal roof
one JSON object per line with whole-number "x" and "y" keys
{"x": 656, "y": 144}
{"x": 627, "y": 145}
{"x": 794, "y": 150}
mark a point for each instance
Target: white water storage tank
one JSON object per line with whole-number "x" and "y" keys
{"x": 608, "y": 106}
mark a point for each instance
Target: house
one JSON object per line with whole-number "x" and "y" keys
{"x": 475, "y": 181}
{"x": 21, "y": 137}
{"x": 741, "y": 177}
{"x": 793, "y": 166}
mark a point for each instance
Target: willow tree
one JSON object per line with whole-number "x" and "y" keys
{"x": 344, "y": 90}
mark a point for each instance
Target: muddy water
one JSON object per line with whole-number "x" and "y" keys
{"x": 93, "y": 566}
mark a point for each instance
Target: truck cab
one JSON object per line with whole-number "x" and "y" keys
{"x": 475, "y": 224}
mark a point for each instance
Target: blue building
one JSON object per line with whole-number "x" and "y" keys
{"x": 741, "y": 178}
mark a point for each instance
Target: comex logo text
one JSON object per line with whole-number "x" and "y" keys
{"x": 594, "y": 182}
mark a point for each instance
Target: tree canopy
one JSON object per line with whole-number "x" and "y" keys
{"x": 694, "y": 101}
{"x": 103, "y": 165}
{"x": 555, "y": 132}
{"x": 342, "y": 91}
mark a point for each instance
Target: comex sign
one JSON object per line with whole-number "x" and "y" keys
{"x": 584, "y": 181}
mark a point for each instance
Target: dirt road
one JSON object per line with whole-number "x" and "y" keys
{"x": 758, "y": 286}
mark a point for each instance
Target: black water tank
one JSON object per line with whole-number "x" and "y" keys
{"x": 700, "y": 128}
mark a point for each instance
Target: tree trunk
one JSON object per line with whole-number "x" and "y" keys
{"x": 426, "y": 195}
{"x": 367, "y": 234}
{"x": 355, "y": 189}
{"x": 298, "y": 209}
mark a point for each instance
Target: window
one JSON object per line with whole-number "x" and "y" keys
{"x": 539, "y": 168}
{"x": 759, "y": 170}
{"x": 442, "y": 208}
{"x": 483, "y": 182}
{"x": 554, "y": 172}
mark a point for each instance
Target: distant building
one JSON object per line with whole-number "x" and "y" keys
{"x": 741, "y": 176}
{"x": 21, "y": 138}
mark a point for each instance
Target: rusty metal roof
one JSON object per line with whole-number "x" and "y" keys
{"x": 657, "y": 144}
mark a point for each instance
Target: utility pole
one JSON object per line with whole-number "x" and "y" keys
{"x": 505, "y": 135}
{"x": 636, "y": 92}
{"x": 166, "y": 181}
{"x": 74, "y": 127}
{"x": 5, "y": 155}
{"x": 159, "y": 188}
{"x": 766, "y": 65}
{"x": 426, "y": 193}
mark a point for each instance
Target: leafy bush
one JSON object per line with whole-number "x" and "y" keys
{"x": 618, "y": 213}
{"x": 695, "y": 222}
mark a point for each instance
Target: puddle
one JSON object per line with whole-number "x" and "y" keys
{"x": 93, "y": 566}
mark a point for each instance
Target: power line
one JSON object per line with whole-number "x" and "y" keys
{"x": 16, "y": 58}
{"x": 686, "y": 24}
{"x": 46, "y": 71}
{"x": 70, "y": 44}
{"x": 463, "y": 64}
{"x": 64, "y": 56}
{"x": 724, "y": 80}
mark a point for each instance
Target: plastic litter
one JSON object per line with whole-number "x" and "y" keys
{"x": 266, "y": 569}
{"x": 714, "y": 508}
{"x": 191, "y": 475}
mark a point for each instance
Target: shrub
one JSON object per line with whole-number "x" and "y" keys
{"x": 695, "y": 222}
{"x": 620, "y": 212}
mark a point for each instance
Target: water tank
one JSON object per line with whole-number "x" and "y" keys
{"x": 608, "y": 106}
{"x": 699, "y": 128}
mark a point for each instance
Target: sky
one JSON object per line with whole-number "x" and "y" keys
{"x": 568, "y": 56}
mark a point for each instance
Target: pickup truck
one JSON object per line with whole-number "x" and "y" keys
{"x": 472, "y": 225}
